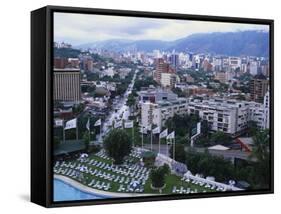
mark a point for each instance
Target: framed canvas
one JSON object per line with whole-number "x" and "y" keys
{"x": 134, "y": 106}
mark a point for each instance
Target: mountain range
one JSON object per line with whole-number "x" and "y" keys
{"x": 250, "y": 43}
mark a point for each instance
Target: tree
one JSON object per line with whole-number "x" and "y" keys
{"x": 86, "y": 139}
{"x": 179, "y": 152}
{"x": 182, "y": 123}
{"x": 56, "y": 141}
{"x": 261, "y": 153}
{"x": 205, "y": 128}
{"x": 131, "y": 101}
{"x": 121, "y": 88}
{"x": 179, "y": 92}
{"x": 144, "y": 82}
{"x": 78, "y": 108}
{"x": 157, "y": 176}
{"x": 209, "y": 165}
{"x": 252, "y": 128}
{"x": 117, "y": 145}
{"x": 261, "y": 145}
{"x": 166, "y": 169}
{"x": 202, "y": 142}
{"x": 220, "y": 137}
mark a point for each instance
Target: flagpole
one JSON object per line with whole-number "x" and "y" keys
{"x": 100, "y": 131}
{"x": 167, "y": 148}
{"x": 63, "y": 131}
{"x": 159, "y": 143}
{"x": 142, "y": 137}
{"x": 151, "y": 139}
{"x": 77, "y": 129}
{"x": 174, "y": 152}
{"x": 89, "y": 129}
{"x": 133, "y": 135}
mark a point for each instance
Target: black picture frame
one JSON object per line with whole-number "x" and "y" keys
{"x": 41, "y": 103}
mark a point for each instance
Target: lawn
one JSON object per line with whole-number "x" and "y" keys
{"x": 174, "y": 180}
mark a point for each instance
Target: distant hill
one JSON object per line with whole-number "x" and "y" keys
{"x": 66, "y": 52}
{"x": 128, "y": 45}
{"x": 252, "y": 43}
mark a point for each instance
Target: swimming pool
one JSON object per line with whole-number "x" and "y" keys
{"x": 66, "y": 192}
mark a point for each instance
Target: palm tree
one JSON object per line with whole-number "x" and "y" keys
{"x": 261, "y": 153}
{"x": 261, "y": 146}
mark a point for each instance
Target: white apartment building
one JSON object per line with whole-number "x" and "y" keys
{"x": 253, "y": 68}
{"x": 155, "y": 95}
{"x": 266, "y": 106}
{"x": 229, "y": 116}
{"x": 168, "y": 80}
{"x": 257, "y": 114}
{"x": 109, "y": 72}
{"x": 234, "y": 63}
{"x": 158, "y": 113}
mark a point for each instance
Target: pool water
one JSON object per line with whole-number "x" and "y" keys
{"x": 66, "y": 192}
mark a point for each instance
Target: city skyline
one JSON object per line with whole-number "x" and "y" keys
{"x": 159, "y": 117}
{"x": 79, "y": 29}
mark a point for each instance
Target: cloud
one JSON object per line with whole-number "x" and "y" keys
{"x": 85, "y": 28}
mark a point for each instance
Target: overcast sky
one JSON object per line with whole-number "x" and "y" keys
{"x": 81, "y": 28}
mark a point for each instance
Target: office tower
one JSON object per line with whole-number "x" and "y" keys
{"x": 60, "y": 62}
{"x": 66, "y": 85}
{"x": 258, "y": 88}
{"x": 161, "y": 67}
{"x": 174, "y": 61}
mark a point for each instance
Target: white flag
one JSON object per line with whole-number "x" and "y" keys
{"x": 118, "y": 124}
{"x": 171, "y": 135}
{"x": 71, "y": 124}
{"x": 129, "y": 124}
{"x": 164, "y": 133}
{"x": 58, "y": 122}
{"x": 149, "y": 127}
{"x": 199, "y": 128}
{"x": 98, "y": 122}
{"x": 156, "y": 130}
{"x": 143, "y": 130}
{"x": 88, "y": 125}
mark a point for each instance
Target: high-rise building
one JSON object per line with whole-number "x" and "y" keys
{"x": 87, "y": 64}
{"x": 258, "y": 88}
{"x": 217, "y": 63}
{"x": 161, "y": 67}
{"x": 234, "y": 63}
{"x": 66, "y": 85}
{"x": 253, "y": 68}
{"x": 207, "y": 66}
{"x": 73, "y": 62}
{"x": 174, "y": 61}
{"x": 266, "y": 105}
{"x": 168, "y": 80}
{"x": 60, "y": 62}
{"x": 221, "y": 76}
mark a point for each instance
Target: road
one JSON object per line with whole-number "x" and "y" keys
{"x": 228, "y": 154}
{"x": 122, "y": 112}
